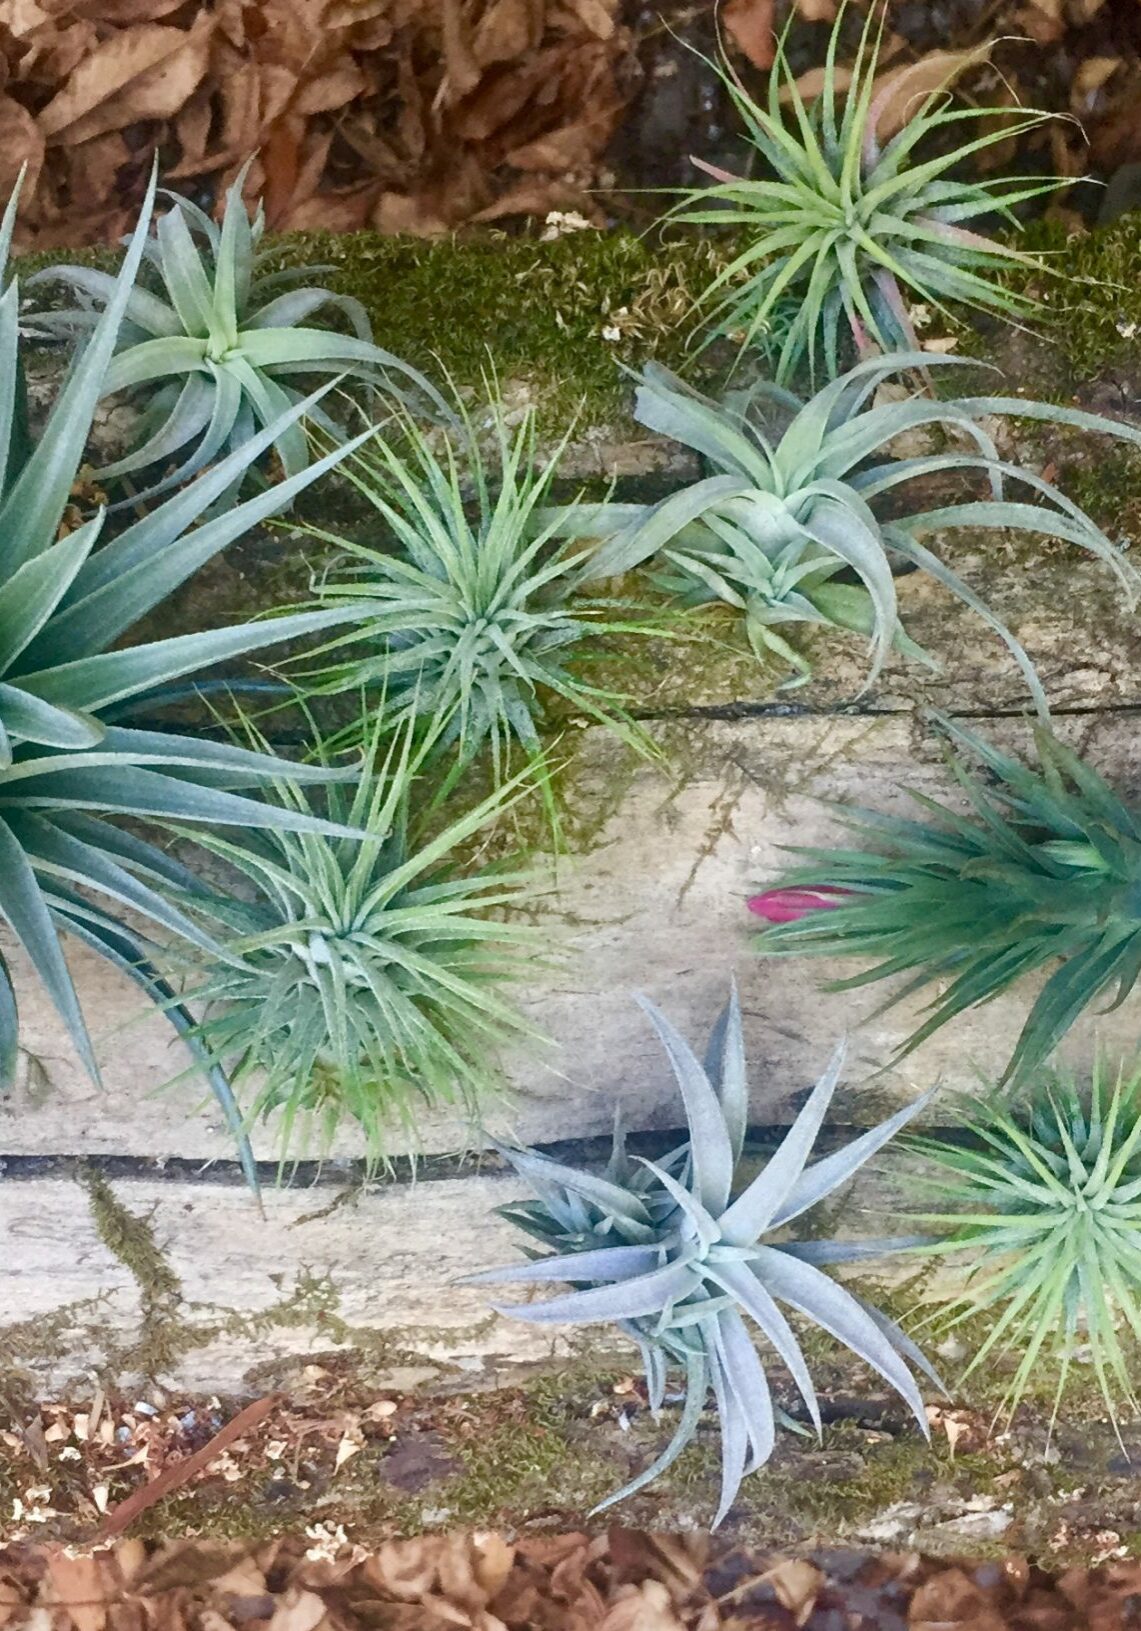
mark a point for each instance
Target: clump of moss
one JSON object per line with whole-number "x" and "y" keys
{"x": 562, "y": 314}
{"x": 1092, "y": 293}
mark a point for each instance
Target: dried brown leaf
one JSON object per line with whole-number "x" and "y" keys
{"x": 75, "y": 1585}
{"x": 950, "y": 1600}
{"x": 596, "y": 16}
{"x": 118, "y": 13}
{"x": 817, "y": 11}
{"x": 462, "y": 73}
{"x": 573, "y": 147}
{"x": 148, "y": 72}
{"x": 796, "y": 1584}
{"x": 21, "y": 142}
{"x": 642, "y": 1608}
{"x": 749, "y": 24}
{"x": 507, "y": 30}
{"x": 336, "y": 88}
{"x": 298, "y": 1610}
{"x": 898, "y": 93}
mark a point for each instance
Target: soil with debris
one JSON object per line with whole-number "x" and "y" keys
{"x": 346, "y": 1452}
{"x": 626, "y": 1580}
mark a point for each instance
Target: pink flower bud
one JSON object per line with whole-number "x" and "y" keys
{"x": 789, "y": 905}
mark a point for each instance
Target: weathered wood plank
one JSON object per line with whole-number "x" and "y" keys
{"x": 202, "y": 1292}
{"x": 652, "y": 900}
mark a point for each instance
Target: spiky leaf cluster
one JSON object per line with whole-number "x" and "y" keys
{"x": 473, "y": 617}
{"x": 1042, "y": 872}
{"x": 795, "y": 500}
{"x": 669, "y": 1254}
{"x": 851, "y": 228}
{"x": 1047, "y": 1201}
{"x": 66, "y": 765}
{"x": 211, "y": 351}
{"x": 364, "y": 976}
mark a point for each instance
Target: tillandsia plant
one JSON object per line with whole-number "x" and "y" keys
{"x": 853, "y": 227}
{"x": 1047, "y": 1202}
{"x": 666, "y": 1252}
{"x": 1043, "y": 872}
{"x": 474, "y": 615}
{"x": 213, "y": 349}
{"x": 779, "y": 519}
{"x": 65, "y": 764}
{"x": 365, "y": 976}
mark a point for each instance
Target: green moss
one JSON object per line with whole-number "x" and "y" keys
{"x": 1091, "y": 302}
{"x": 537, "y": 309}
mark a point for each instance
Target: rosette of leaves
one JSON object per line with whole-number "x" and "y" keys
{"x": 66, "y": 765}
{"x": 474, "y": 613}
{"x": 212, "y": 350}
{"x": 791, "y": 507}
{"x": 852, "y": 228}
{"x": 1046, "y": 1200}
{"x": 1042, "y": 872}
{"x": 365, "y": 975}
{"x": 666, "y": 1251}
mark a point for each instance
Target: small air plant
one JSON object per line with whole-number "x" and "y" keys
{"x": 364, "y": 977}
{"x": 213, "y": 349}
{"x": 850, "y": 227}
{"x": 474, "y": 616}
{"x": 663, "y": 1250}
{"x": 1046, "y": 1201}
{"x": 1043, "y": 872}
{"x": 779, "y": 518}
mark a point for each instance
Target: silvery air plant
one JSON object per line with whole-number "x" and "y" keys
{"x": 1042, "y": 872}
{"x": 69, "y": 766}
{"x": 667, "y": 1252}
{"x": 843, "y": 228}
{"x": 803, "y": 513}
{"x": 212, "y": 348}
{"x": 1046, "y": 1199}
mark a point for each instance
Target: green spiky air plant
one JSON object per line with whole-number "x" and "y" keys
{"x": 212, "y": 350}
{"x": 1044, "y": 872}
{"x": 665, "y": 1251}
{"x": 796, "y": 499}
{"x": 474, "y": 618}
{"x": 1048, "y": 1206}
{"x": 69, "y": 767}
{"x": 851, "y": 228}
{"x": 365, "y": 978}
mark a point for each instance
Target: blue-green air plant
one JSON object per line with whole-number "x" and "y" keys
{"x": 799, "y": 499}
{"x": 665, "y": 1251}
{"x": 1042, "y": 872}
{"x": 842, "y": 229}
{"x": 212, "y": 350}
{"x": 473, "y": 612}
{"x": 1047, "y": 1203}
{"x": 367, "y": 975}
{"x": 65, "y": 764}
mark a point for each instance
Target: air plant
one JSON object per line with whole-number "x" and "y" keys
{"x": 850, "y": 228}
{"x": 365, "y": 975}
{"x": 212, "y": 350}
{"x": 1047, "y": 1202}
{"x": 65, "y": 677}
{"x": 472, "y": 610}
{"x": 1043, "y": 872}
{"x": 664, "y": 1251}
{"x": 780, "y": 519}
